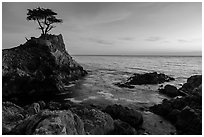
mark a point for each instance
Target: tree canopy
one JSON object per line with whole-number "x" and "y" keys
{"x": 44, "y": 17}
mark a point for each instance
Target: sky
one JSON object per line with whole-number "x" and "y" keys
{"x": 133, "y": 28}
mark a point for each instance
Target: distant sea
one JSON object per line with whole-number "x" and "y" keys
{"x": 98, "y": 86}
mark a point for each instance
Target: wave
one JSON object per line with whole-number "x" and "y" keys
{"x": 143, "y": 69}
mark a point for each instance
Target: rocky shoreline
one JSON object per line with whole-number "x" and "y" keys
{"x": 33, "y": 73}
{"x": 38, "y": 69}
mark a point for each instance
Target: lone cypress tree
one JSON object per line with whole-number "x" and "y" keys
{"x": 44, "y": 17}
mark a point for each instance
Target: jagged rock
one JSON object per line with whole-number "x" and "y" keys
{"x": 122, "y": 128}
{"x": 11, "y": 115}
{"x": 189, "y": 122}
{"x": 50, "y": 123}
{"x": 192, "y": 83}
{"x": 54, "y": 105}
{"x": 33, "y": 109}
{"x": 95, "y": 121}
{"x": 132, "y": 117}
{"x": 147, "y": 78}
{"x": 37, "y": 69}
{"x": 42, "y": 104}
{"x": 184, "y": 112}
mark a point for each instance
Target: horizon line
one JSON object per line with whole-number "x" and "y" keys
{"x": 141, "y": 55}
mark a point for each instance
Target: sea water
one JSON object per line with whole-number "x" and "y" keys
{"x": 99, "y": 87}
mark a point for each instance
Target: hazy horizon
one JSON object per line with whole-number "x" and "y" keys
{"x": 100, "y": 28}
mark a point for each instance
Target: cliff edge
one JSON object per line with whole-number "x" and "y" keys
{"x": 40, "y": 67}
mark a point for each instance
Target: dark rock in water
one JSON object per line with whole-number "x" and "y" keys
{"x": 124, "y": 85}
{"x": 37, "y": 69}
{"x": 50, "y": 123}
{"x": 192, "y": 83}
{"x": 132, "y": 117}
{"x": 95, "y": 121}
{"x": 149, "y": 78}
{"x": 184, "y": 112}
{"x": 174, "y": 110}
{"x": 171, "y": 91}
{"x": 122, "y": 128}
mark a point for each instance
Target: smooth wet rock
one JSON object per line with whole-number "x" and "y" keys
{"x": 95, "y": 121}
{"x": 50, "y": 123}
{"x": 132, "y": 117}
{"x": 37, "y": 70}
{"x": 149, "y": 78}
{"x": 156, "y": 125}
{"x": 170, "y": 90}
{"x": 122, "y": 128}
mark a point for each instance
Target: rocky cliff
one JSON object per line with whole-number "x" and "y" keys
{"x": 41, "y": 66}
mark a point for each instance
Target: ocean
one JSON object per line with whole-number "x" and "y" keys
{"x": 103, "y": 71}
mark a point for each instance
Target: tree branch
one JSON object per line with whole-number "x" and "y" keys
{"x": 41, "y": 27}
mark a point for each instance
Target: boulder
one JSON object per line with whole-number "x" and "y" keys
{"x": 95, "y": 121}
{"x": 37, "y": 70}
{"x": 132, "y": 117}
{"x": 11, "y": 115}
{"x": 50, "y": 123}
{"x": 189, "y": 122}
{"x": 33, "y": 109}
{"x": 184, "y": 112}
{"x": 42, "y": 104}
{"x": 122, "y": 128}
{"x": 193, "y": 82}
{"x": 149, "y": 78}
{"x": 170, "y": 90}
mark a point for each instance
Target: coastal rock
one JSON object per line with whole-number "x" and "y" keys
{"x": 50, "y": 123}
{"x": 156, "y": 125}
{"x": 122, "y": 128}
{"x": 189, "y": 122}
{"x": 33, "y": 109}
{"x": 192, "y": 83}
{"x": 37, "y": 69}
{"x": 95, "y": 121}
{"x": 185, "y": 112}
{"x": 149, "y": 78}
{"x": 175, "y": 109}
{"x": 170, "y": 90}
{"x": 124, "y": 85}
{"x": 11, "y": 115}
{"x": 132, "y": 117}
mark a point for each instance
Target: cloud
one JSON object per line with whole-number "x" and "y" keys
{"x": 101, "y": 41}
{"x": 127, "y": 38}
{"x": 104, "y": 42}
{"x": 153, "y": 38}
{"x": 183, "y": 41}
